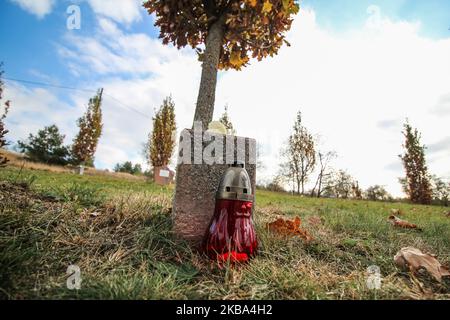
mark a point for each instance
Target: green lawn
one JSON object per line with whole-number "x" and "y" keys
{"x": 119, "y": 233}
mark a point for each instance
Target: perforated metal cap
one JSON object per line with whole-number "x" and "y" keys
{"x": 235, "y": 184}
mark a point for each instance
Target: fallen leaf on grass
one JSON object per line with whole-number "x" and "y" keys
{"x": 413, "y": 259}
{"x": 447, "y": 214}
{"x": 397, "y": 222}
{"x": 289, "y": 228}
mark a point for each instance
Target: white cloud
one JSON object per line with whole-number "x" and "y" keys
{"x": 346, "y": 85}
{"x": 123, "y": 11}
{"x": 355, "y": 89}
{"x": 39, "y": 8}
{"x": 153, "y": 71}
{"x": 34, "y": 108}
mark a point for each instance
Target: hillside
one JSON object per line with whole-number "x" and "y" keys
{"x": 118, "y": 231}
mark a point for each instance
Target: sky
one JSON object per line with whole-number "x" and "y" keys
{"x": 355, "y": 69}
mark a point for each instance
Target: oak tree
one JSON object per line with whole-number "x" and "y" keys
{"x": 90, "y": 130}
{"x": 225, "y": 34}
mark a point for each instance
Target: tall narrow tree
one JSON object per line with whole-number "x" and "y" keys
{"x": 300, "y": 154}
{"x": 5, "y": 106}
{"x": 417, "y": 182}
{"x": 232, "y": 31}
{"x": 90, "y": 130}
{"x": 162, "y": 143}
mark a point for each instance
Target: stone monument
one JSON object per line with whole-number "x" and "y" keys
{"x": 202, "y": 159}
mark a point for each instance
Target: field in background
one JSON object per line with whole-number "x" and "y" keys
{"x": 118, "y": 231}
{"x": 19, "y": 161}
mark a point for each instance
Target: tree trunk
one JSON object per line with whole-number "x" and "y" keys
{"x": 319, "y": 190}
{"x": 205, "y": 102}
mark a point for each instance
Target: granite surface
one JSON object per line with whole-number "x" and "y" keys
{"x": 196, "y": 184}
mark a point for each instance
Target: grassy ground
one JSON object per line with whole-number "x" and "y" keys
{"x": 119, "y": 232}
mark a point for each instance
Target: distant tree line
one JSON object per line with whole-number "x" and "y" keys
{"x": 129, "y": 167}
{"x": 301, "y": 157}
{"x": 47, "y": 145}
{"x": 301, "y": 160}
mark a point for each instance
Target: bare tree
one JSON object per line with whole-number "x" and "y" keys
{"x": 357, "y": 192}
{"x": 300, "y": 154}
{"x": 340, "y": 185}
{"x": 286, "y": 172}
{"x": 324, "y": 161}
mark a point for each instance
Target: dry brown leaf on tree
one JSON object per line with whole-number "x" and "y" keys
{"x": 289, "y": 228}
{"x": 397, "y": 222}
{"x": 413, "y": 259}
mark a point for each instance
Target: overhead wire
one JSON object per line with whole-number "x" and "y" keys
{"x": 44, "y": 84}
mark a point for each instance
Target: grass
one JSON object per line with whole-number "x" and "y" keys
{"x": 118, "y": 231}
{"x": 18, "y": 160}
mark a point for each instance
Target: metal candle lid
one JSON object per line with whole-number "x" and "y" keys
{"x": 235, "y": 184}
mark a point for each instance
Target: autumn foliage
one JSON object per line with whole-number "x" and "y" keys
{"x": 225, "y": 33}
{"x": 162, "y": 144}
{"x": 300, "y": 155}
{"x": 251, "y": 28}
{"x": 289, "y": 228}
{"x": 90, "y": 124}
{"x": 3, "y": 131}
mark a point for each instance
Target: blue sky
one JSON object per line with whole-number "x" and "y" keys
{"x": 346, "y": 14}
{"x": 29, "y": 42}
{"x": 380, "y": 61}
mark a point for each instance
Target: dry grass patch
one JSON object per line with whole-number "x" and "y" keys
{"x": 119, "y": 233}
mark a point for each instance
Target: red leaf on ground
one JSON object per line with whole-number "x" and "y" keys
{"x": 289, "y": 228}
{"x": 397, "y": 222}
